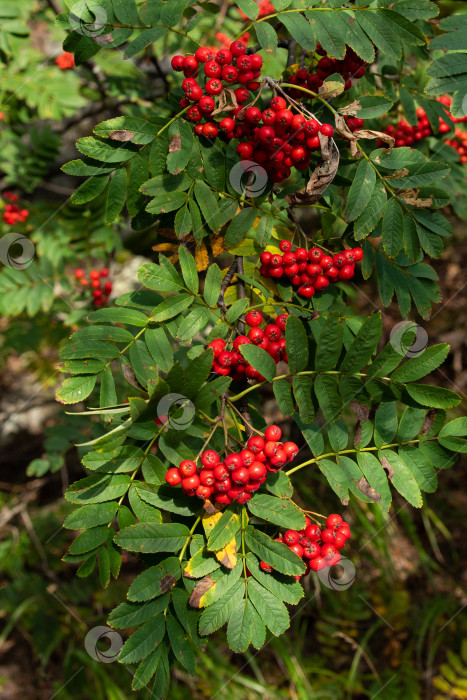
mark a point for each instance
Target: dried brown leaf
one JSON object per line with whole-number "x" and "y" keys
{"x": 198, "y": 591}
{"x": 368, "y": 490}
{"x": 321, "y": 177}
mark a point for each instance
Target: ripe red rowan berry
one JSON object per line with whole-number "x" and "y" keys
{"x": 207, "y": 477}
{"x": 255, "y": 444}
{"x": 278, "y": 103}
{"x": 210, "y": 459}
{"x": 291, "y": 537}
{"x": 237, "y": 48}
{"x": 253, "y": 319}
{"x": 172, "y": 477}
{"x": 233, "y": 461}
{"x": 187, "y": 468}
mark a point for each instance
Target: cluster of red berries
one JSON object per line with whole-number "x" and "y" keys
{"x": 237, "y": 476}
{"x": 221, "y": 69}
{"x": 309, "y": 271}
{"x": 459, "y": 143}
{"x": 13, "y": 214}
{"x": 406, "y": 135}
{"x": 283, "y": 140}
{"x": 270, "y": 339}
{"x": 351, "y": 66}
{"x": 318, "y": 548}
{"x": 65, "y": 61}
{"x": 100, "y": 288}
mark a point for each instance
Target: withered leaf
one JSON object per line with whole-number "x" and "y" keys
{"x": 343, "y": 129}
{"x": 167, "y": 582}
{"x": 199, "y": 590}
{"x": 121, "y": 135}
{"x": 131, "y": 377}
{"x": 429, "y": 421}
{"x": 321, "y": 177}
{"x": 367, "y": 490}
{"x": 361, "y": 411}
{"x": 389, "y": 468}
{"x": 175, "y": 143}
{"x": 103, "y": 39}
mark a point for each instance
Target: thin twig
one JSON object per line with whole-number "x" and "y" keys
{"x": 225, "y": 283}
{"x": 241, "y": 293}
{"x": 292, "y": 53}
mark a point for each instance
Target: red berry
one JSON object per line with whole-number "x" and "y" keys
{"x": 217, "y": 346}
{"x": 79, "y": 273}
{"x": 240, "y": 476}
{"x": 315, "y": 255}
{"x": 224, "y": 485}
{"x": 187, "y": 467}
{"x": 291, "y": 537}
{"x": 306, "y": 291}
{"x": 311, "y": 550}
{"x": 326, "y": 130}
{"x": 213, "y": 69}
{"x": 317, "y": 563}
{"x": 248, "y": 457}
{"x": 253, "y": 319}
{"x": 190, "y": 483}
{"x": 227, "y": 125}
{"x": 220, "y": 472}
{"x": 273, "y": 432}
{"x": 253, "y": 115}
{"x": 291, "y": 450}
{"x": 279, "y": 459}
{"x": 237, "y": 48}
{"x": 194, "y": 114}
{"x": 313, "y": 532}
{"x": 339, "y": 540}
{"x": 278, "y": 103}
{"x": 214, "y": 86}
{"x": 223, "y": 498}
{"x": 207, "y": 477}
{"x": 297, "y": 548}
{"x": 346, "y": 272}
{"x": 255, "y": 444}
{"x": 241, "y": 340}
{"x": 210, "y": 459}
{"x": 285, "y": 246}
{"x": 245, "y": 150}
{"x": 327, "y": 536}
{"x": 281, "y": 321}
{"x": 177, "y": 63}
{"x": 104, "y": 272}
{"x": 256, "y": 335}
{"x": 207, "y": 104}
{"x": 233, "y": 461}
{"x": 243, "y": 63}
{"x": 172, "y": 476}
{"x": 204, "y": 492}
{"x": 270, "y": 448}
{"x": 272, "y": 332}
{"x": 224, "y": 57}
{"x": 321, "y": 283}
{"x": 229, "y": 74}
{"x": 358, "y": 254}
{"x": 256, "y": 61}
{"x": 326, "y": 262}
{"x": 265, "y": 567}
{"x": 203, "y": 54}
{"x": 225, "y": 358}
{"x": 257, "y": 470}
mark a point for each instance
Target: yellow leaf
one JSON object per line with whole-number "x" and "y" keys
{"x": 209, "y": 521}
{"x": 201, "y": 257}
{"x": 217, "y": 244}
{"x": 228, "y": 555}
